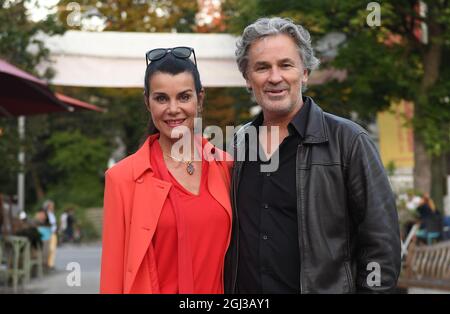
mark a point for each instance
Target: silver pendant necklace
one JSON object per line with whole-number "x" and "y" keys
{"x": 190, "y": 169}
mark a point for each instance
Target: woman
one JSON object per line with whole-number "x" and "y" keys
{"x": 45, "y": 230}
{"x": 49, "y": 207}
{"x": 430, "y": 220}
{"x": 167, "y": 216}
{"x": 426, "y": 209}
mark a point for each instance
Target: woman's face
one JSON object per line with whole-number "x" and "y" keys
{"x": 173, "y": 102}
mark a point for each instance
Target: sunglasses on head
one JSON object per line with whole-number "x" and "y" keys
{"x": 179, "y": 52}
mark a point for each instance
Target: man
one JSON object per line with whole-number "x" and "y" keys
{"x": 70, "y": 228}
{"x": 63, "y": 226}
{"x": 325, "y": 220}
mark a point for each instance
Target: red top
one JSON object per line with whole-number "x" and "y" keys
{"x": 207, "y": 226}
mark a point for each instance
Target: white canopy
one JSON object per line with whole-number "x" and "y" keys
{"x": 117, "y": 59}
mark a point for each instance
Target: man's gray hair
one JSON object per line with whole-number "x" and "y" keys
{"x": 272, "y": 26}
{"x": 47, "y": 204}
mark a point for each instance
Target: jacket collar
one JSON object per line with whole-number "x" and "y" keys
{"x": 315, "y": 131}
{"x": 141, "y": 160}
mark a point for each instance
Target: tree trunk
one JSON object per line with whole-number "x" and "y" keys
{"x": 439, "y": 176}
{"x": 427, "y": 170}
{"x": 40, "y": 194}
{"x": 422, "y": 166}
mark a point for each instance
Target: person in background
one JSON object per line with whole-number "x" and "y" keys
{"x": 63, "y": 226}
{"x": 412, "y": 201}
{"x": 69, "y": 232}
{"x": 426, "y": 209}
{"x": 45, "y": 229}
{"x": 49, "y": 207}
{"x": 408, "y": 217}
{"x": 27, "y": 229}
{"x": 431, "y": 222}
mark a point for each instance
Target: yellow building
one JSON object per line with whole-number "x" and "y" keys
{"x": 396, "y": 140}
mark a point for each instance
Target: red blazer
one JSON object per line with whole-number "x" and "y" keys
{"x": 133, "y": 201}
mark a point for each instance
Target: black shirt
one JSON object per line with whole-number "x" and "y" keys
{"x": 269, "y": 260}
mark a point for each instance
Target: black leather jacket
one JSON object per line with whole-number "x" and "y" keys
{"x": 346, "y": 211}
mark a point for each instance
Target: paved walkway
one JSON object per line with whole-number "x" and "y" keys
{"x": 87, "y": 257}
{"x": 66, "y": 279}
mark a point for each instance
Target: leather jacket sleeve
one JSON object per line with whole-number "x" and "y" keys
{"x": 374, "y": 215}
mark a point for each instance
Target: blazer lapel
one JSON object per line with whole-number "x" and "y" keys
{"x": 149, "y": 197}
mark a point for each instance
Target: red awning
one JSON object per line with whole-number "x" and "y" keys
{"x": 78, "y": 104}
{"x": 23, "y": 94}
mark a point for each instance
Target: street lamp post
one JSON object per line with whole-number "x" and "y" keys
{"x": 21, "y": 158}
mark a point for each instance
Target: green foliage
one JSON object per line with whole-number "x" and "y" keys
{"x": 313, "y": 14}
{"x": 17, "y": 33}
{"x": 126, "y": 117}
{"x": 390, "y": 168}
{"x": 75, "y": 153}
{"x": 20, "y": 46}
{"x": 139, "y": 16}
{"x": 87, "y": 228}
{"x": 226, "y": 106}
{"x": 79, "y": 162}
{"x": 8, "y": 156}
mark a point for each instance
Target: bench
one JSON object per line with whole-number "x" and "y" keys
{"x": 16, "y": 254}
{"x": 427, "y": 266}
{"x": 17, "y": 260}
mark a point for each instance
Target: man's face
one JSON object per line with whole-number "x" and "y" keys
{"x": 275, "y": 73}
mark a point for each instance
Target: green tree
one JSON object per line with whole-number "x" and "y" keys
{"x": 78, "y": 161}
{"x": 384, "y": 63}
{"x": 17, "y": 36}
{"x": 9, "y": 165}
{"x": 136, "y": 15}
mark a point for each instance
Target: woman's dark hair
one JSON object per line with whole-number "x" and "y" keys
{"x": 170, "y": 65}
{"x": 46, "y": 222}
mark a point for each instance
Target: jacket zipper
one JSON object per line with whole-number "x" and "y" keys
{"x": 236, "y": 219}
{"x": 349, "y": 276}
{"x": 300, "y": 213}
